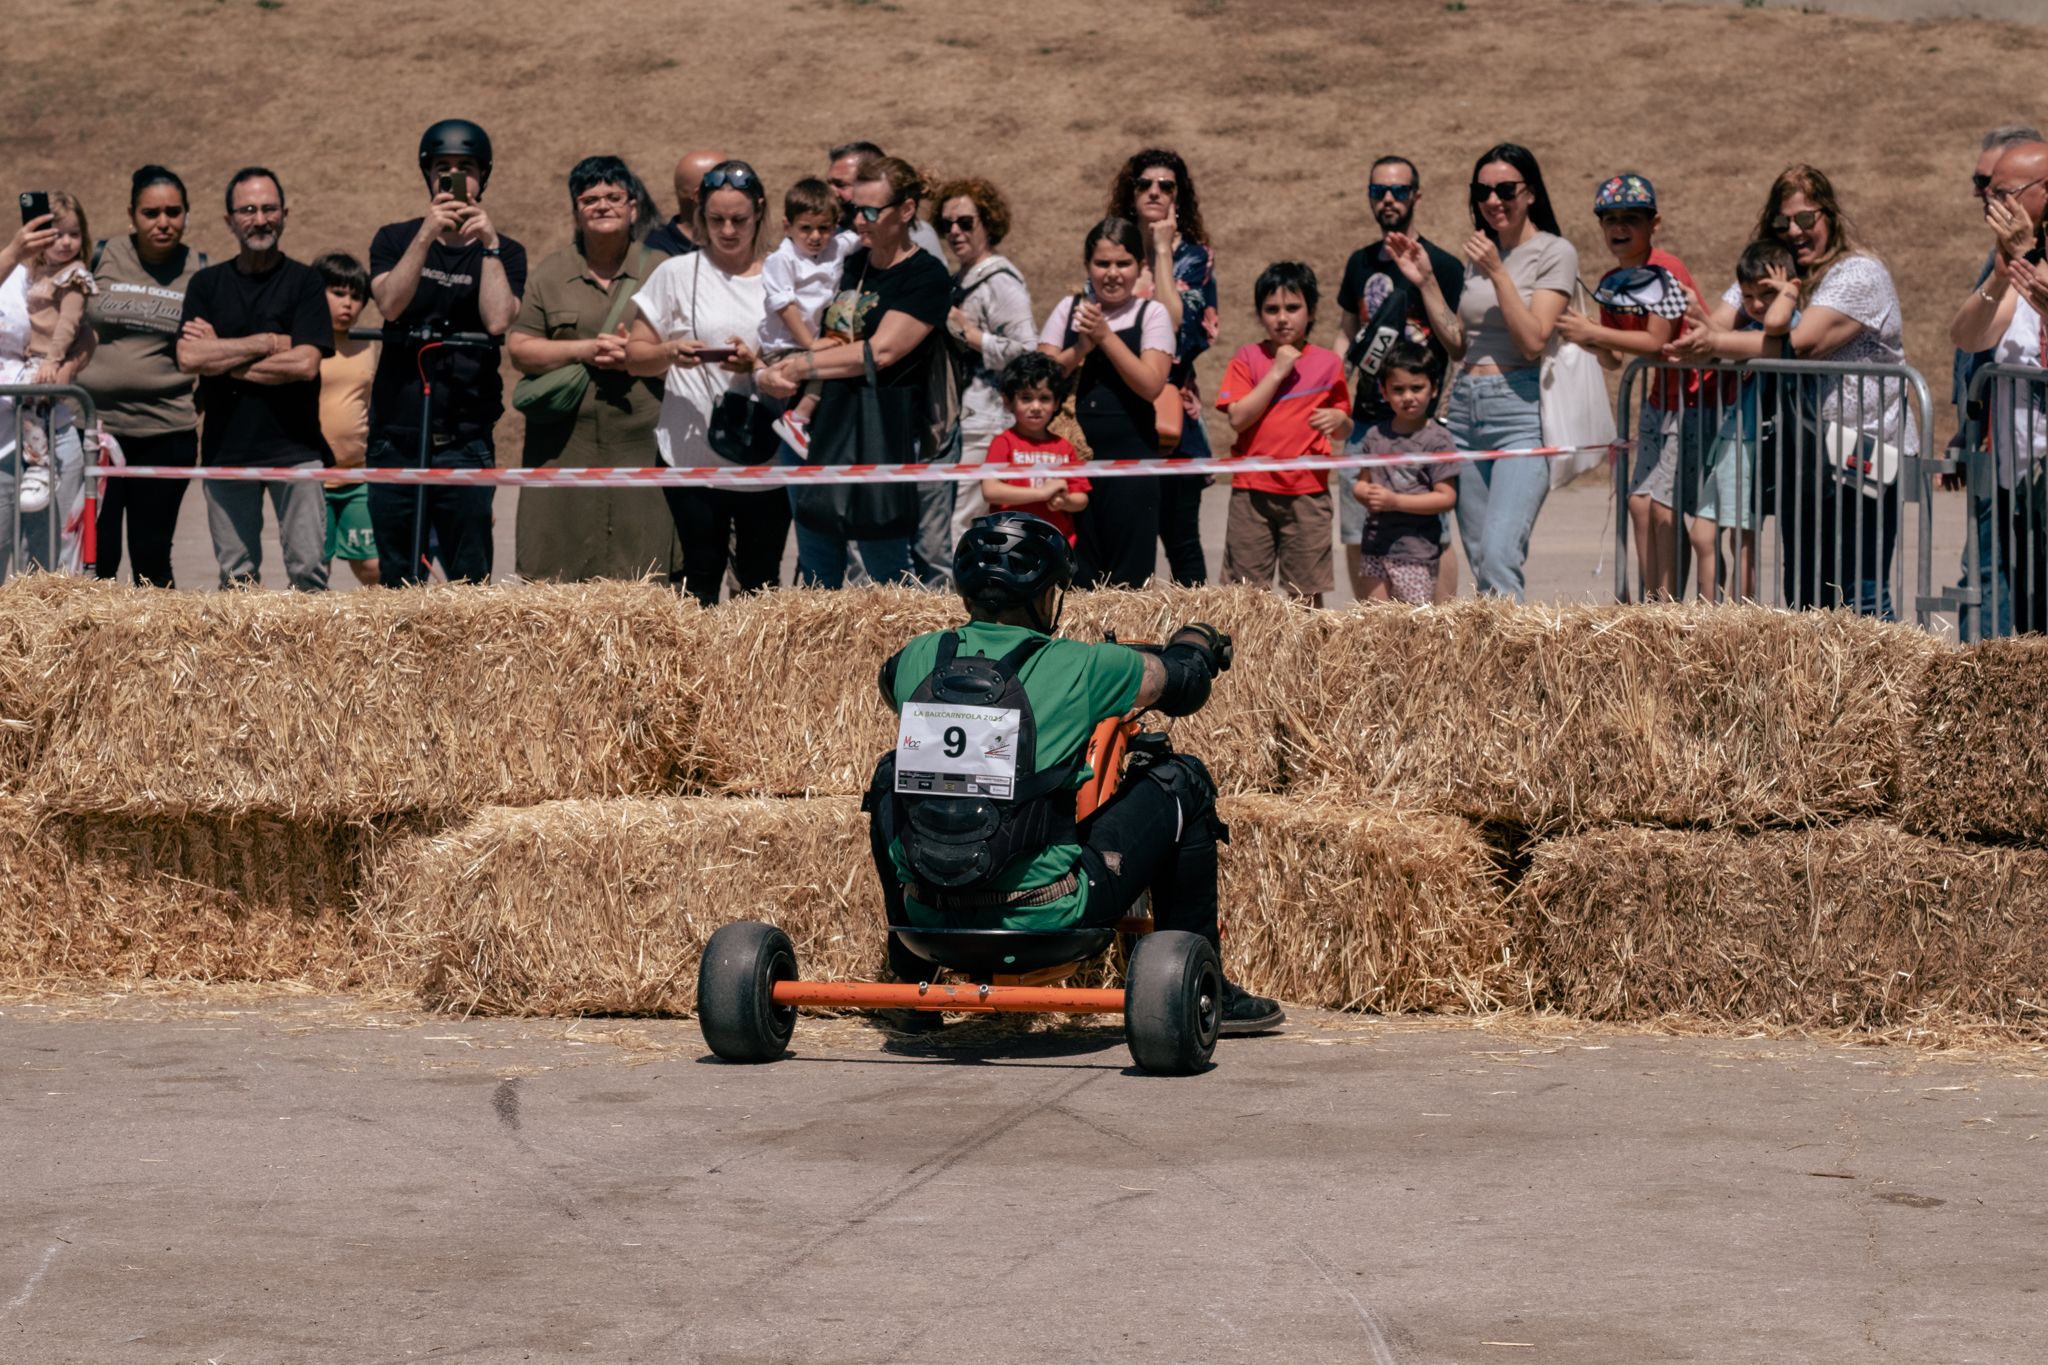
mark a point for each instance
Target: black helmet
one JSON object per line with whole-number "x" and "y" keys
{"x": 1008, "y": 559}
{"x": 456, "y": 137}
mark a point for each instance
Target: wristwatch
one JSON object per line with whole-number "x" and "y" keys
{"x": 493, "y": 253}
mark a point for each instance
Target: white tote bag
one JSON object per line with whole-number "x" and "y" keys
{"x": 1574, "y": 409}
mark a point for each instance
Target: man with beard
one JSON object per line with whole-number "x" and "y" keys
{"x": 1379, "y": 307}
{"x": 255, "y": 330}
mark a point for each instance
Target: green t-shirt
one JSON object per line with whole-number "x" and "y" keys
{"x": 1072, "y": 687}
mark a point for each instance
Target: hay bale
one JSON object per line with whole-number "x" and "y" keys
{"x": 200, "y": 900}
{"x": 791, "y": 706}
{"x": 1558, "y": 718}
{"x": 326, "y": 709}
{"x": 1241, "y": 734}
{"x": 1977, "y": 756}
{"x": 1374, "y": 909}
{"x": 35, "y": 634}
{"x": 1861, "y": 926}
{"x": 602, "y": 907}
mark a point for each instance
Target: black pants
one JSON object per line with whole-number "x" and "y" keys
{"x": 1128, "y": 847}
{"x": 2023, "y": 554}
{"x": 717, "y": 525}
{"x": 1116, "y": 535}
{"x": 150, "y": 507}
{"x": 459, "y": 522}
{"x": 1180, "y": 527}
{"x": 1836, "y": 543}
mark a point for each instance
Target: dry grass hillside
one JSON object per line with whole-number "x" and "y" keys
{"x": 1278, "y": 105}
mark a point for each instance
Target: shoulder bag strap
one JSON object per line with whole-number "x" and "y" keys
{"x": 620, "y": 303}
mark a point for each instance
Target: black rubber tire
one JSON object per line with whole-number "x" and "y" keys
{"x": 1173, "y": 1002}
{"x": 739, "y": 969}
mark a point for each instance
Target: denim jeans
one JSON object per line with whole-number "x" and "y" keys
{"x": 66, "y": 504}
{"x": 459, "y": 520}
{"x": 234, "y": 513}
{"x": 1968, "y": 625}
{"x": 1498, "y": 499}
{"x": 821, "y": 560}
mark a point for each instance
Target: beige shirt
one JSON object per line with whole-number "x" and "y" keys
{"x": 345, "y": 400}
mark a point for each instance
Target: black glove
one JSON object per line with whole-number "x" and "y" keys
{"x": 1214, "y": 645}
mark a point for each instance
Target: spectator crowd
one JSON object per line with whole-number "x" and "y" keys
{"x": 868, "y": 314}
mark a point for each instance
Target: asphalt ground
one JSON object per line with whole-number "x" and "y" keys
{"x": 318, "y": 1181}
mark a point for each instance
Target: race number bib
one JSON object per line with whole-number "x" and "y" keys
{"x": 944, "y": 749}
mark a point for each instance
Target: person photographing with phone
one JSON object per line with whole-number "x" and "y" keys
{"x": 449, "y": 270}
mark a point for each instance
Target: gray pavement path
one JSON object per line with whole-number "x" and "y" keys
{"x": 278, "y": 1184}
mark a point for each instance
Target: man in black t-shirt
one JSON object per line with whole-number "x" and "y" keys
{"x": 254, "y": 330}
{"x": 448, "y": 271}
{"x": 1378, "y": 307}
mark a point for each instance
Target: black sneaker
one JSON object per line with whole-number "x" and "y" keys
{"x": 911, "y": 1021}
{"x": 1245, "y": 1013}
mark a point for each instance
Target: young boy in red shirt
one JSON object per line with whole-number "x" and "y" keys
{"x": 1285, "y": 398}
{"x": 1031, "y": 388}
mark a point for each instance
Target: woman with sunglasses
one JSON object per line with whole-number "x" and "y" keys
{"x": 1155, "y": 191}
{"x": 990, "y": 323}
{"x": 1837, "y": 533}
{"x": 573, "y": 534}
{"x": 1119, "y": 348}
{"x": 893, "y": 296}
{"x": 1522, "y": 276}
{"x": 699, "y": 323}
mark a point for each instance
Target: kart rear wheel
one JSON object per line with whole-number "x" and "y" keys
{"x": 1173, "y": 1002}
{"x": 735, "y": 983}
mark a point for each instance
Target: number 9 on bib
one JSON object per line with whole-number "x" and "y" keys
{"x": 944, "y": 749}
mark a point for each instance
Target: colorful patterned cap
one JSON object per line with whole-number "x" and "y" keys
{"x": 1625, "y": 191}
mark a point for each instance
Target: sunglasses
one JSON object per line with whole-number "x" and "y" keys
{"x": 1979, "y": 184}
{"x": 729, "y": 178}
{"x": 1805, "y": 218}
{"x": 869, "y": 213}
{"x": 1164, "y": 184}
{"x": 1402, "y": 193}
{"x": 1505, "y": 191}
{"x": 964, "y": 223}
{"x": 2007, "y": 196}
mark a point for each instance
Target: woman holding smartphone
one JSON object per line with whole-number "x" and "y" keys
{"x": 1521, "y": 277}
{"x": 699, "y": 324}
{"x": 1119, "y": 348}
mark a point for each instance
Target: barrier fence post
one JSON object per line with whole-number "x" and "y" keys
{"x": 14, "y": 463}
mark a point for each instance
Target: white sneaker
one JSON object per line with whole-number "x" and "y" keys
{"x": 35, "y": 488}
{"x": 795, "y": 432}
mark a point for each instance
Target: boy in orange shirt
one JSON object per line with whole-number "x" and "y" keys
{"x": 1285, "y": 397}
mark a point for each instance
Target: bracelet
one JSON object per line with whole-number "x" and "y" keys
{"x": 1985, "y": 295}
{"x": 492, "y": 253}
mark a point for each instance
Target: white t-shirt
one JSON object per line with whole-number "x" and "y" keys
{"x": 792, "y": 277}
{"x": 1860, "y": 288}
{"x": 2019, "y": 428}
{"x": 1156, "y": 336}
{"x": 726, "y": 306}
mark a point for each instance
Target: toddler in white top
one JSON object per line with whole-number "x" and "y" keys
{"x": 801, "y": 276}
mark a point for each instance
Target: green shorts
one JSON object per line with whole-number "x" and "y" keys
{"x": 348, "y": 523}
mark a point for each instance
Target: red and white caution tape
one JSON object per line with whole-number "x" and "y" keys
{"x": 765, "y": 476}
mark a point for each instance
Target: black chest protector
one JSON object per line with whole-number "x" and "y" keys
{"x": 960, "y": 843}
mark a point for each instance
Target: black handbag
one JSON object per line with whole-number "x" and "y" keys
{"x": 862, "y": 424}
{"x": 742, "y": 429}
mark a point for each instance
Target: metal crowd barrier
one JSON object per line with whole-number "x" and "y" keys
{"x": 1790, "y": 481}
{"x": 48, "y": 551}
{"x": 2004, "y": 449}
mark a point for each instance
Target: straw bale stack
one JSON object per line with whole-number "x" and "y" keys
{"x": 1977, "y": 760}
{"x": 202, "y": 900}
{"x": 791, "y": 706}
{"x": 1861, "y": 926}
{"x": 329, "y": 709}
{"x": 36, "y": 632}
{"x": 602, "y": 907}
{"x": 1241, "y": 734}
{"x": 1363, "y": 909}
{"x": 1558, "y": 718}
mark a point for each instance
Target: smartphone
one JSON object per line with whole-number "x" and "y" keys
{"x": 34, "y": 204}
{"x": 455, "y": 183}
{"x": 715, "y": 353}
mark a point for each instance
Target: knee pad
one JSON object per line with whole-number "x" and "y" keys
{"x": 1186, "y": 778}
